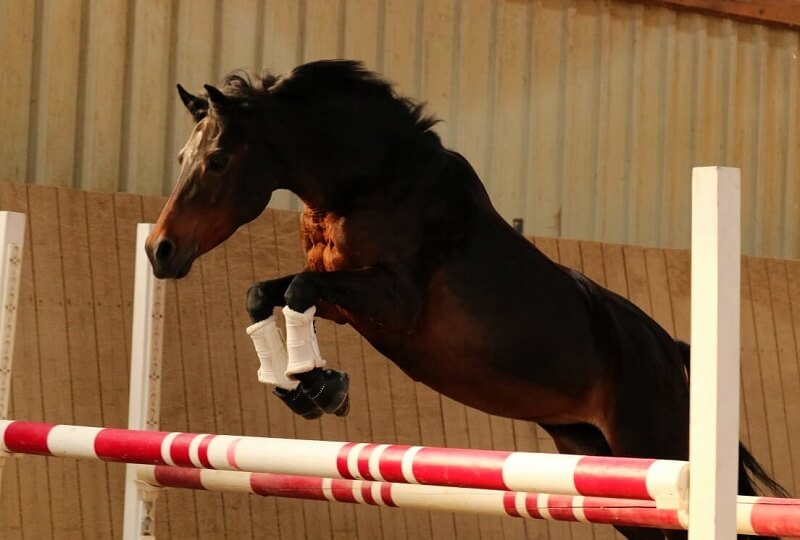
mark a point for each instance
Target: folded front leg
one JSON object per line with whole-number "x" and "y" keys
{"x": 301, "y": 341}
{"x": 273, "y": 359}
{"x": 262, "y": 299}
{"x": 265, "y": 296}
{"x": 378, "y": 294}
{"x": 327, "y": 388}
{"x": 390, "y": 299}
{"x": 272, "y": 355}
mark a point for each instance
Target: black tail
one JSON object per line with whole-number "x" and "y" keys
{"x": 686, "y": 354}
{"x": 749, "y": 468}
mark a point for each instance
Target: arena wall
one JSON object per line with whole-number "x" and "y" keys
{"x": 71, "y": 366}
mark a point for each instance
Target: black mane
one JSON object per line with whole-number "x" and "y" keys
{"x": 326, "y": 79}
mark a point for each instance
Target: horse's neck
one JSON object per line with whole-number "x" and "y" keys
{"x": 416, "y": 170}
{"x": 469, "y": 180}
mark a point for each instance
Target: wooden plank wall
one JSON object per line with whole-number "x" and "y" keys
{"x": 71, "y": 366}
{"x": 778, "y": 12}
{"x": 584, "y": 117}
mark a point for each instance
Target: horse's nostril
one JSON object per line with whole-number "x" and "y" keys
{"x": 164, "y": 250}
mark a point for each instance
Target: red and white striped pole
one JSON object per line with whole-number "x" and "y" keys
{"x": 755, "y": 515}
{"x": 648, "y": 479}
{"x": 614, "y": 511}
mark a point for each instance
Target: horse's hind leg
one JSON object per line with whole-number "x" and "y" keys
{"x": 651, "y": 423}
{"x": 586, "y": 439}
{"x": 578, "y": 439}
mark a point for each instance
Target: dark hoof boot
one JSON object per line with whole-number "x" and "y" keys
{"x": 328, "y": 389}
{"x": 299, "y": 402}
{"x": 344, "y": 409}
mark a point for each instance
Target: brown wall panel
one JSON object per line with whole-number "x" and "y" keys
{"x": 783, "y": 12}
{"x": 82, "y": 352}
{"x": 753, "y": 398}
{"x": 584, "y": 117}
{"x": 56, "y": 367}
{"x": 109, "y": 326}
{"x": 788, "y": 323}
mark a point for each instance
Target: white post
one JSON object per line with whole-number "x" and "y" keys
{"x": 145, "y": 384}
{"x": 714, "y": 392}
{"x": 12, "y": 239}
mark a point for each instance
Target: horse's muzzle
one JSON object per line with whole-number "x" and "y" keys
{"x": 167, "y": 260}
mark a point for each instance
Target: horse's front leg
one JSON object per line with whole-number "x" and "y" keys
{"x": 382, "y": 296}
{"x": 390, "y": 299}
{"x": 265, "y": 296}
{"x": 262, "y": 299}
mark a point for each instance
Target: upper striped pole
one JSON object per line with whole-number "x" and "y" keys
{"x": 647, "y": 479}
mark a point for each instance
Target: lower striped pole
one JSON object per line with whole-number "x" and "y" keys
{"x": 603, "y": 510}
{"x": 765, "y": 516}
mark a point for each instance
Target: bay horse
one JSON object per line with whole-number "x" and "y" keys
{"x": 403, "y": 243}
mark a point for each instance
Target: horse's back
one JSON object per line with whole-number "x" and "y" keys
{"x": 496, "y": 312}
{"x": 544, "y": 324}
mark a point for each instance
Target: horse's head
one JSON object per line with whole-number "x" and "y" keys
{"x": 226, "y": 180}
{"x": 329, "y": 131}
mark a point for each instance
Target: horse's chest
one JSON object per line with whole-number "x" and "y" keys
{"x": 326, "y": 245}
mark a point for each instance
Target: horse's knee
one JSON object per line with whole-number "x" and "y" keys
{"x": 257, "y": 305}
{"x": 264, "y": 297}
{"x": 302, "y": 293}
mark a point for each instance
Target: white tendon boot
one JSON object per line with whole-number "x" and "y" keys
{"x": 301, "y": 341}
{"x": 327, "y": 388}
{"x": 273, "y": 357}
{"x": 271, "y": 352}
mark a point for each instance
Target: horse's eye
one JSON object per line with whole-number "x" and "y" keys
{"x": 217, "y": 162}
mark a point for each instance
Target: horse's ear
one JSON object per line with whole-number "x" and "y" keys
{"x": 197, "y": 106}
{"x": 219, "y": 102}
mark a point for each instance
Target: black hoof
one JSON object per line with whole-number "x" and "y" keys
{"x": 344, "y": 409}
{"x": 328, "y": 390}
{"x": 299, "y": 402}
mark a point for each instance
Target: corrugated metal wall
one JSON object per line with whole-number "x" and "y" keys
{"x": 583, "y": 117}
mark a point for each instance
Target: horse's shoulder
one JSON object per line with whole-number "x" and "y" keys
{"x": 364, "y": 236}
